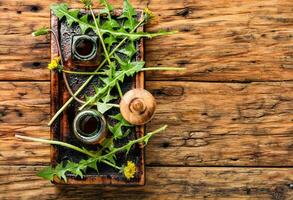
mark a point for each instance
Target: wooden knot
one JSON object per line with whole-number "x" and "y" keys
{"x": 137, "y": 106}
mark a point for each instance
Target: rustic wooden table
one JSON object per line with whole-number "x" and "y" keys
{"x": 230, "y": 114}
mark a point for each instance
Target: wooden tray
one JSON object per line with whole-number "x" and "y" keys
{"x": 62, "y": 128}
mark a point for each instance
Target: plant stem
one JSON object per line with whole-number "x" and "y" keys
{"x": 104, "y": 89}
{"x": 83, "y": 73}
{"x": 119, "y": 89}
{"x": 101, "y": 37}
{"x": 143, "y": 69}
{"x": 90, "y": 78}
{"x": 55, "y": 142}
{"x": 64, "y": 145}
{"x": 62, "y": 64}
{"x": 104, "y": 46}
{"x": 99, "y": 158}
{"x": 130, "y": 143}
{"x": 57, "y": 45}
{"x": 114, "y": 105}
{"x": 110, "y": 164}
{"x": 135, "y": 141}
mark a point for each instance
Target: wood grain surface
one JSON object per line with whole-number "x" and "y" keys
{"x": 218, "y": 41}
{"x": 162, "y": 183}
{"x": 230, "y": 114}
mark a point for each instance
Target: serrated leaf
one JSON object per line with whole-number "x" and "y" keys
{"x": 79, "y": 169}
{"x": 111, "y": 71}
{"x": 41, "y": 31}
{"x": 92, "y": 163}
{"x": 83, "y": 26}
{"x": 121, "y": 31}
{"x": 108, "y": 98}
{"x": 146, "y": 139}
{"x": 60, "y": 172}
{"x": 110, "y": 40}
{"x": 119, "y": 60}
{"x": 86, "y": 97}
{"x": 129, "y": 50}
{"x": 133, "y": 67}
{"x": 104, "y": 80}
{"x": 59, "y": 9}
{"x": 128, "y": 70}
{"x": 129, "y": 13}
{"x": 130, "y": 23}
{"x": 111, "y": 158}
{"x": 97, "y": 89}
{"x": 128, "y": 147}
{"x": 88, "y": 151}
{"x": 113, "y": 78}
{"x": 110, "y": 25}
{"x": 108, "y": 144}
{"x": 127, "y": 132}
{"x": 121, "y": 120}
{"x": 108, "y": 7}
{"x": 103, "y": 107}
{"x": 74, "y": 168}
{"x": 83, "y": 164}
{"x": 116, "y": 130}
{"x": 47, "y": 173}
{"x": 70, "y": 20}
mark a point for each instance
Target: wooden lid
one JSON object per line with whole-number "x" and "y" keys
{"x": 137, "y": 106}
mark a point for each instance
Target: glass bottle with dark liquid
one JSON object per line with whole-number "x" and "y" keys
{"x": 85, "y": 50}
{"x": 84, "y": 47}
{"x": 90, "y": 126}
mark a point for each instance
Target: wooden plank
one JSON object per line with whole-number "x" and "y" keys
{"x": 24, "y": 109}
{"x": 15, "y": 151}
{"x": 222, "y": 124}
{"x": 218, "y": 40}
{"x": 212, "y": 124}
{"x": 162, "y": 183}
{"x": 24, "y": 103}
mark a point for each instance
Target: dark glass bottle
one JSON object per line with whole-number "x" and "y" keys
{"x": 89, "y": 126}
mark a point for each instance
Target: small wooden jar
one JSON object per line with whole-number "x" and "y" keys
{"x": 138, "y": 106}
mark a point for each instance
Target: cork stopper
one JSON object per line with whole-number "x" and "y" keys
{"x": 137, "y": 106}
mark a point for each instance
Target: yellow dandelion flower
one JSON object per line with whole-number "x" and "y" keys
{"x": 150, "y": 16}
{"x": 149, "y": 13}
{"x": 129, "y": 170}
{"x": 54, "y": 64}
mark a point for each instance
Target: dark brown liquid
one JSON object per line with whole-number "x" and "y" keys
{"x": 84, "y": 47}
{"x": 89, "y": 124}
